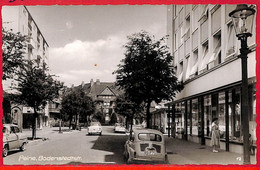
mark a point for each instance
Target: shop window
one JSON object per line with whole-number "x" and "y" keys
{"x": 252, "y": 115}
{"x": 205, "y": 57}
{"x": 189, "y": 118}
{"x": 215, "y": 58}
{"x": 235, "y": 115}
{"x": 207, "y": 115}
{"x": 195, "y": 118}
{"x": 221, "y": 114}
{"x": 194, "y": 69}
{"x": 231, "y": 46}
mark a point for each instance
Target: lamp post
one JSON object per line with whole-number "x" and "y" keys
{"x": 240, "y": 18}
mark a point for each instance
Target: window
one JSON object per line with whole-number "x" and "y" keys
{"x": 205, "y": 57}
{"x": 216, "y": 19}
{"x": 187, "y": 75}
{"x": 149, "y": 137}
{"x": 222, "y": 113}
{"x": 252, "y": 40}
{"x": 231, "y": 46}
{"x": 194, "y": 69}
{"x": 186, "y": 33}
{"x": 207, "y": 115}
{"x": 180, "y": 76}
{"x": 215, "y": 58}
{"x": 195, "y": 39}
{"x": 195, "y": 119}
{"x": 235, "y": 115}
{"x": 195, "y": 18}
{"x": 189, "y": 118}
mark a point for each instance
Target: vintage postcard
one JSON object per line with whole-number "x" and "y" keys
{"x": 170, "y": 84}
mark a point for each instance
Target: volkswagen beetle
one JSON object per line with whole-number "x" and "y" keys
{"x": 13, "y": 139}
{"x": 145, "y": 145}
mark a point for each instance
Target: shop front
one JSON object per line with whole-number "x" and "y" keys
{"x": 193, "y": 116}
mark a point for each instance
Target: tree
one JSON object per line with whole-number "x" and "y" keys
{"x": 113, "y": 119}
{"x": 124, "y": 106}
{"x": 77, "y": 103}
{"x": 14, "y": 45}
{"x": 146, "y": 73}
{"x": 36, "y": 87}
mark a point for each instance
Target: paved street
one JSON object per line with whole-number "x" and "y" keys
{"x": 76, "y": 146}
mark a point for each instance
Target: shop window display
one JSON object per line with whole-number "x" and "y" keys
{"x": 195, "y": 122}
{"x": 221, "y": 114}
{"x": 207, "y": 115}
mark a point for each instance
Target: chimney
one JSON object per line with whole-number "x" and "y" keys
{"x": 82, "y": 84}
{"x": 98, "y": 82}
{"x": 91, "y": 82}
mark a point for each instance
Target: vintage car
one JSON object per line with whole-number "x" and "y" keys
{"x": 145, "y": 145}
{"x": 119, "y": 127}
{"x": 95, "y": 128}
{"x": 13, "y": 139}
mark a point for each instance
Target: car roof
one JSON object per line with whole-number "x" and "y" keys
{"x": 145, "y": 130}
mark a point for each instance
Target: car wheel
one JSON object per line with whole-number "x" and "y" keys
{"x": 5, "y": 151}
{"x": 22, "y": 148}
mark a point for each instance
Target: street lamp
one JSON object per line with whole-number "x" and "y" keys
{"x": 243, "y": 28}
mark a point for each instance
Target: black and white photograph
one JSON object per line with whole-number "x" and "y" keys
{"x": 129, "y": 84}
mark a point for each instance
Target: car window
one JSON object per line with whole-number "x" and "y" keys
{"x": 149, "y": 137}
{"x": 4, "y": 130}
{"x": 95, "y": 124}
{"x": 16, "y": 129}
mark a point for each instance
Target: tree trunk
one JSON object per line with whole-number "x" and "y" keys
{"x": 148, "y": 116}
{"x": 126, "y": 122}
{"x": 70, "y": 122}
{"x": 34, "y": 125}
{"x": 131, "y": 126}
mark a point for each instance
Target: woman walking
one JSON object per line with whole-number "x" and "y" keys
{"x": 215, "y": 135}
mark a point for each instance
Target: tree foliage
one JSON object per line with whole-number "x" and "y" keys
{"x": 35, "y": 88}
{"x": 14, "y": 45}
{"x": 146, "y": 73}
{"x": 125, "y": 107}
{"x": 77, "y": 104}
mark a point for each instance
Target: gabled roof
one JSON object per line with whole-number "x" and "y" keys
{"x": 97, "y": 88}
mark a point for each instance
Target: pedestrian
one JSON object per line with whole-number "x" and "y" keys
{"x": 215, "y": 136}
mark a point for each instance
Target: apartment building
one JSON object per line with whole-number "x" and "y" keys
{"x": 19, "y": 19}
{"x": 205, "y": 50}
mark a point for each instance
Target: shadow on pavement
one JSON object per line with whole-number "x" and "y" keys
{"x": 111, "y": 143}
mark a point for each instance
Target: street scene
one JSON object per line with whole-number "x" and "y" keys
{"x": 129, "y": 84}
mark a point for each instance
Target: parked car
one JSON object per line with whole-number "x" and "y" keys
{"x": 13, "y": 139}
{"x": 145, "y": 145}
{"x": 119, "y": 127}
{"x": 95, "y": 128}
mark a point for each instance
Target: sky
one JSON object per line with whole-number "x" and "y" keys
{"x": 86, "y": 42}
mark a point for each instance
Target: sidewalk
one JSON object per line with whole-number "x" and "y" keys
{"x": 46, "y": 133}
{"x": 184, "y": 152}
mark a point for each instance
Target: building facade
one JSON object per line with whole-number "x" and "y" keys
{"x": 205, "y": 50}
{"x": 104, "y": 95}
{"x": 19, "y": 19}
